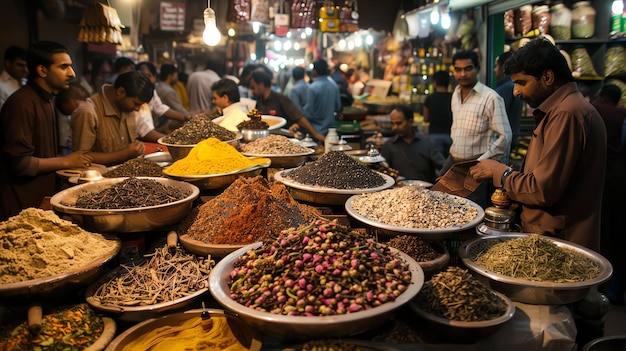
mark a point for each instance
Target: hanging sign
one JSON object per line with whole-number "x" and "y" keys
{"x": 172, "y": 16}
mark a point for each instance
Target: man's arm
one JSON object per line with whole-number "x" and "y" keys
{"x": 499, "y": 124}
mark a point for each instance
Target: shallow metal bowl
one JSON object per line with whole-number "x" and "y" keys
{"x": 178, "y": 152}
{"x": 461, "y": 331}
{"x": 249, "y": 135}
{"x": 274, "y": 122}
{"x": 64, "y": 282}
{"x": 284, "y": 160}
{"x": 248, "y": 337}
{"x": 201, "y": 248}
{"x": 138, "y": 313}
{"x": 607, "y": 343}
{"x": 219, "y": 181}
{"x": 289, "y": 327}
{"x": 415, "y": 182}
{"x": 124, "y": 220}
{"x": 326, "y": 196}
{"x": 539, "y": 293}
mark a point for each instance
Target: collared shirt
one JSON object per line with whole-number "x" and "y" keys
{"x": 158, "y": 109}
{"x": 416, "y": 160}
{"x": 143, "y": 121}
{"x": 280, "y": 105}
{"x": 561, "y": 181}
{"x": 322, "y": 102}
{"x": 8, "y": 85}
{"x": 97, "y": 126}
{"x": 170, "y": 97}
{"x": 298, "y": 93}
{"x": 480, "y": 127}
{"x": 27, "y": 134}
{"x": 199, "y": 89}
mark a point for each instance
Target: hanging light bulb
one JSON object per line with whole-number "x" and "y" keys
{"x": 445, "y": 20}
{"x": 434, "y": 15}
{"x": 358, "y": 41}
{"x": 342, "y": 44}
{"x": 211, "y": 34}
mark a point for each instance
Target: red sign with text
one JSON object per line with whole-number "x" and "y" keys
{"x": 172, "y": 16}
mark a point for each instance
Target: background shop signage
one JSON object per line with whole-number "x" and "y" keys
{"x": 172, "y": 16}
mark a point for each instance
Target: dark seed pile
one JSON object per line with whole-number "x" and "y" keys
{"x": 136, "y": 167}
{"x": 456, "y": 295}
{"x": 417, "y": 248}
{"x": 253, "y": 123}
{"x": 131, "y": 193}
{"x": 336, "y": 170}
{"x": 198, "y": 128}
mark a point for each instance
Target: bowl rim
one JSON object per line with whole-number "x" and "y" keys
{"x": 280, "y": 176}
{"x": 479, "y": 217}
{"x": 217, "y": 282}
{"x": 606, "y": 269}
{"x": 206, "y": 176}
{"x": 310, "y": 152}
{"x": 281, "y": 121}
{"x": 56, "y": 200}
{"x": 508, "y": 314}
{"x": 238, "y": 137}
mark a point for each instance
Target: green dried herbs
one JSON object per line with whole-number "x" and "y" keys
{"x": 534, "y": 258}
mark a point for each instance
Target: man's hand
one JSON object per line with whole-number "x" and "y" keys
{"x": 136, "y": 149}
{"x": 486, "y": 169}
{"x": 78, "y": 159}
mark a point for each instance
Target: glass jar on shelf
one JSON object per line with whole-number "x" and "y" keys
{"x": 541, "y": 18}
{"x": 561, "y": 22}
{"x": 583, "y": 20}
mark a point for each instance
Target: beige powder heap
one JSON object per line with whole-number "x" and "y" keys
{"x": 37, "y": 244}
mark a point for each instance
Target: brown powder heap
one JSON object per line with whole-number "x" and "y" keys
{"x": 37, "y": 244}
{"x": 249, "y": 210}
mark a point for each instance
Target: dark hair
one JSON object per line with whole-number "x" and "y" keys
{"x": 74, "y": 92}
{"x": 442, "y": 78}
{"x": 167, "y": 69}
{"x": 262, "y": 78}
{"x": 14, "y": 52}
{"x": 536, "y": 57}
{"x": 321, "y": 67}
{"x": 503, "y": 58}
{"x": 263, "y": 68}
{"x": 610, "y": 93}
{"x": 406, "y": 111}
{"x": 123, "y": 63}
{"x": 246, "y": 72}
{"x": 226, "y": 87}
{"x": 136, "y": 84}
{"x": 149, "y": 65}
{"x": 297, "y": 73}
{"x": 41, "y": 53}
{"x": 467, "y": 54}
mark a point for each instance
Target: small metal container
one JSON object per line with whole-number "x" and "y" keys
{"x": 499, "y": 218}
{"x": 249, "y": 135}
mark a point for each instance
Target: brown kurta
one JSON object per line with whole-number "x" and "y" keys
{"x": 560, "y": 186}
{"x": 28, "y": 132}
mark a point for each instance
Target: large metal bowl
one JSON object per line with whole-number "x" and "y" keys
{"x": 138, "y": 313}
{"x": 248, "y": 337}
{"x": 219, "y": 181}
{"x": 284, "y": 160}
{"x": 289, "y": 327}
{"x": 178, "y": 152}
{"x": 201, "y": 248}
{"x": 424, "y": 233}
{"x": 124, "y": 220}
{"x": 323, "y": 195}
{"x": 60, "y": 283}
{"x": 539, "y": 293}
{"x": 274, "y": 122}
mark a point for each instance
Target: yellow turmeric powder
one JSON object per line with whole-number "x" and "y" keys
{"x": 212, "y": 156}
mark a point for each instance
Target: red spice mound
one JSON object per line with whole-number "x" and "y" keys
{"x": 249, "y": 210}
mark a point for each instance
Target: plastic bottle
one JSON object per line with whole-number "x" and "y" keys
{"x": 331, "y": 138}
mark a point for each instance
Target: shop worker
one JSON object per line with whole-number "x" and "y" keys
{"x": 15, "y": 71}
{"x": 28, "y": 136}
{"x": 438, "y": 114}
{"x": 269, "y": 102}
{"x": 560, "y": 183}
{"x": 323, "y": 102}
{"x": 106, "y": 125}
{"x": 200, "y": 82}
{"x": 300, "y": 88}
{"x": 411, "y": 153}
{"x": 225, "y": 94}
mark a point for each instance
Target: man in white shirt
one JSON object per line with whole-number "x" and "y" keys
{"x": 199, "y": 85}
{"x": 15, "y": 70}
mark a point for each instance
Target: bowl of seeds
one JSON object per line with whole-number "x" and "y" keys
{"x": 126, "y": 205}
{"x": 460, "y": 308}
{"x": 535, "y": 269}
{"x": 309, "y": 294}
{"x": 283, "y": 152}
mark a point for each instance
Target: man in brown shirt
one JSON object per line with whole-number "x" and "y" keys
{"x": 28, "y": 134}
{"x": 561, "y": 180}
{"x": 105, "y": 125}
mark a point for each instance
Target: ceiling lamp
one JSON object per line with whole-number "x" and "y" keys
{"x": 434, "y": 16}
{"x": 211, "y": 34}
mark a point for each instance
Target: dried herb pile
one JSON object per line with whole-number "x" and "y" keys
{"x": 248, "y": 210}
{"x": 336, "y": 170}
{"x": 131, "y": 193}
{"x": 198, "y": 128}
{"x": 534, "y": 258}
{"x": 254, "y": 122}
{"x": 75, "y": 328}
{"x": 457, "y": 295}
{"x": 136, "y": 167}
{"x": 417, "y": 248}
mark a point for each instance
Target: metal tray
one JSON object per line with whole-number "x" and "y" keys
{"x": 219, "y": 181}
{"x": 284, "y": 160}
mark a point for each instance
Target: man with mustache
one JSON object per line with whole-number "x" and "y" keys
{"x": 560, "y": 183}
{"x": 28, "y": 134}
